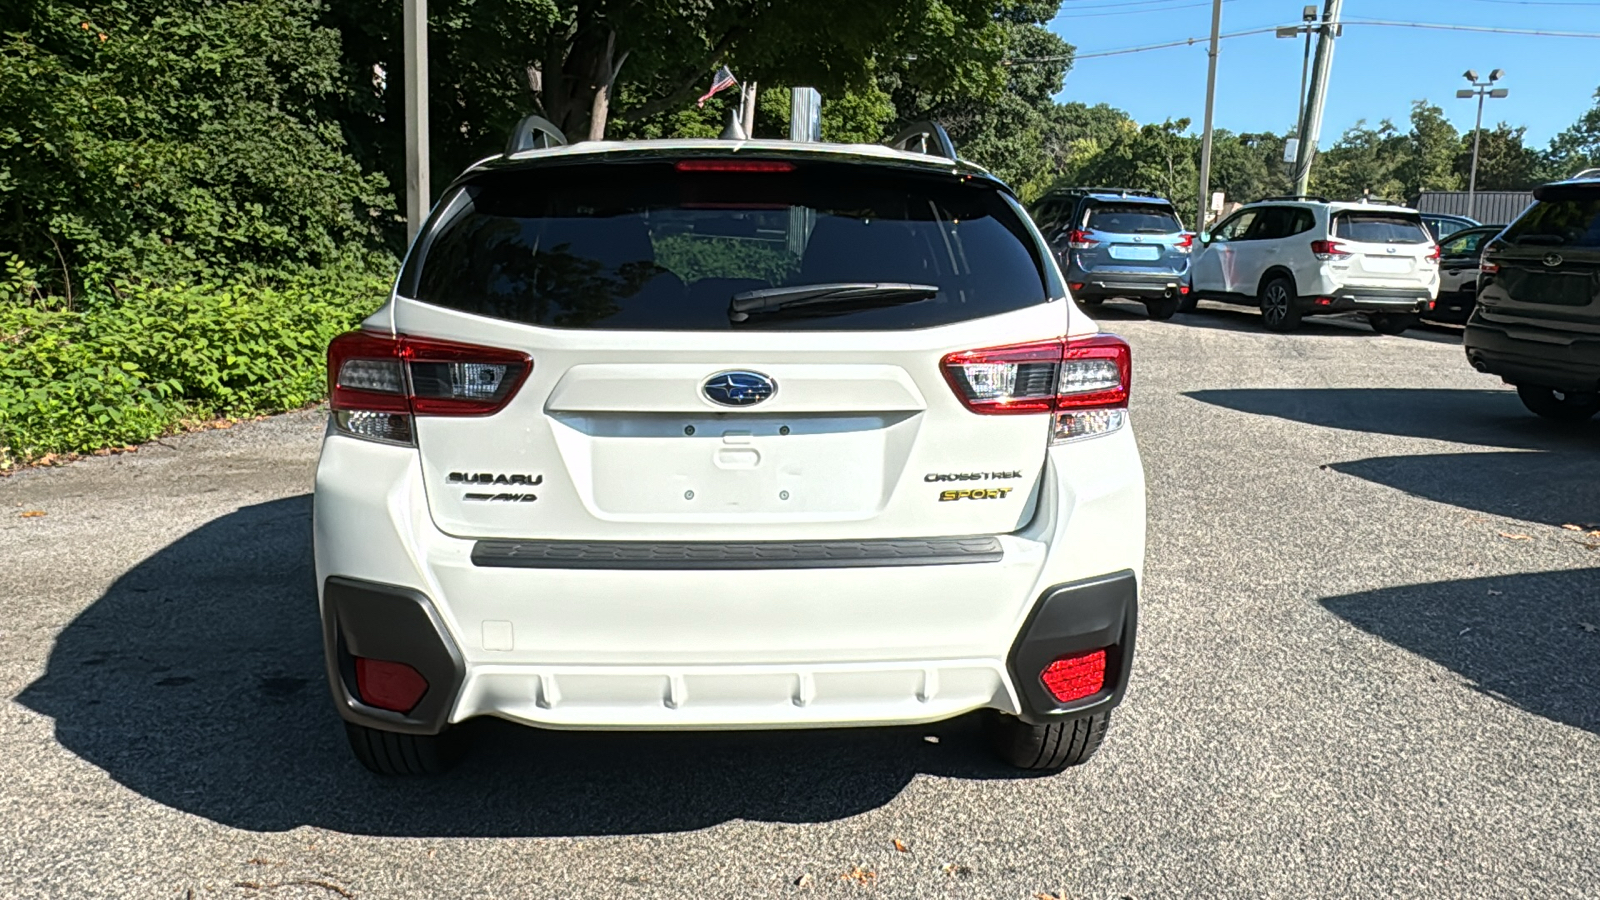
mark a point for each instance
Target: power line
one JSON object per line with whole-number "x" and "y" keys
{"x": 1189, "y": 42}
{"x": 1131, "y": 12}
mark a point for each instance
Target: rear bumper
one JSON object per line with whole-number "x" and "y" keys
{"x": 1139, "y": 286}
{"x": 730, "y": 647}
{"x": 1532, "y": 355}
{"x": 1387, "y": 300}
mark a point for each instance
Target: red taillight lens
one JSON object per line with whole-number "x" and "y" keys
{"x": 1330, "y": 250}
{"x": 389, "y": 685}
{"x": 1084, "y": 381}
{"x": 734, "y": 165}
{"x": 1488, "y": 268}
{"x": 1078, "y": 239}
{"x": 1075, "y": 677}
{"x": 1433, "y": 253}
{"x": 1185, "y": 243}
{"x": 378, "y": 382}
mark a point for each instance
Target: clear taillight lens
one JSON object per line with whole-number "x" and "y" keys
{"x": 1084, "y": 382}
{"x": 379, "y": 382}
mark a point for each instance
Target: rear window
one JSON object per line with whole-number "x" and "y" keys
{"x": 1561, "y": 222}
{"x": 642, "y": 245}
{"x": 1132, "y": 218}
{"x": 1380, "y": 228}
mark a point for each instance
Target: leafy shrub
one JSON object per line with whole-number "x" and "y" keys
{"x": 693, "y": 257}
{"x": 119, "y": 373}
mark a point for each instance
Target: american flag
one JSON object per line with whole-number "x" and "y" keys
{"x": 723, "y": 81}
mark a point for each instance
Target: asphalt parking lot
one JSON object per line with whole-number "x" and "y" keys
{"x": 1369, "y": 666}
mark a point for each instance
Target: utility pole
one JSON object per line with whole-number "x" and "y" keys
{"x": 418, "y": 195}
{"x": 1480, "y": 89}
{"x": 1308, "y": 16}
{"x": 1211, "y": 103}
{"x": 748, "y": 103}
{"x": 1317, "y": 96}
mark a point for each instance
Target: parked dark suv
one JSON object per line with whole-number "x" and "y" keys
{"x": 1537, "y": 324}
{"x": 1113, "y": 242}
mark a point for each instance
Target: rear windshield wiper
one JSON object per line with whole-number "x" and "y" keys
{"x": 860, "y": 293}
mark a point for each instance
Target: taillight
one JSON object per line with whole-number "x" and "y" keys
{"x": 1083, "y": 381}
{"x": 1330, "y": 250}
{"x": 1185, "y": 243}
{"x": 378, "y": 382}
{"x": 1078, "y": 239}
{"x": 1433, "y": 254}
{"x": 734, "y": 165}
{"x": 1487, "y": 268}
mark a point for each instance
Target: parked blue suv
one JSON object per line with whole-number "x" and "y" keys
{"x": 1113, "y": 242}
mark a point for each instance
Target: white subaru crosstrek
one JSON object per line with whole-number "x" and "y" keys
{"x": 728, "y": 435}
{"x": 1303, "y": 256}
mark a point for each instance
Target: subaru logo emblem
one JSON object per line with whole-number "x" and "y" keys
{"x": 1390, "y": 249}
{"x": 738, "y": 388}
{"x": 1553, "y": 259}
{"x": 1138, "y": 239}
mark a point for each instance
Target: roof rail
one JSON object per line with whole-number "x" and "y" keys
{"x": 534, "y": 133}
{"x": 1587, "y": 175}
{"x": 926, "y": 137}
{"x": 1312, "y": 197}
{"x": 1126, "y": 192}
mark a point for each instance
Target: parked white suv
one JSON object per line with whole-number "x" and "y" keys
{"x": 728, "y": 434}
{"x": 1301, "y": 256}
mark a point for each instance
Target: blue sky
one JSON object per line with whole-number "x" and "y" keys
{"x": 1377, "y": 71}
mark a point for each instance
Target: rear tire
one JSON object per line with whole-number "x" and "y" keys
{"x": 1278, "y": 310}
{"x": 1049, "y": 747}
{"x": 1557, "y": 405}
{"x": 1161, "y": 310}
{"x": 395, "y": 754}
{"x": 1391, "y": 323}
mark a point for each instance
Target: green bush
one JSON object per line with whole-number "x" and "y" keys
{"x": 123, "y": 372}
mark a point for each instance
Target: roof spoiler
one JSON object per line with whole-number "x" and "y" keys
{"x": 926, "y": 137}
{"x": 534, "y": 133}
{"x": 1314, "y": 198}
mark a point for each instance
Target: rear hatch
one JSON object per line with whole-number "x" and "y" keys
{"x": 1133, "y": 238}
{"x": 679, "y": 391}
{"x": 1546, "y": 265}
{"x": 1387, "y": 249}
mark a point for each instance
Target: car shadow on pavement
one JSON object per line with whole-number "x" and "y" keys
{"x": 196, "y": 680}
{"x": 1528, "y": 640}
{"x": 1243, "y": 319}
{"x": 1493, "y": 417}
{"x": 1549, "y": 473}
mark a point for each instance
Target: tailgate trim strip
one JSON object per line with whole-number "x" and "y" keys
{"x": 939, "y": 551}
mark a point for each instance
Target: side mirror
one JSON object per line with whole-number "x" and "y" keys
{"x": 1205, "y": 237}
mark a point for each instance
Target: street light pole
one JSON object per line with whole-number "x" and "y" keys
{"x": 1480, "y": 89}
{"x": 1316, "y": 95}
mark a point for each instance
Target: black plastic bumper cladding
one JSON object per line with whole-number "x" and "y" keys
{"x": 1099, "y": 613}
{"x": 378, "y": 621}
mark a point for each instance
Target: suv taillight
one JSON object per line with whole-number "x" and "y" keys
{"x": 1185, "y": 242}
{"x": 1078, "y": 239}
{"x": 378, "y": 382}
{"x": 1083, "y": 381}
{"x": 1433, "y": 254}
{"x": 1330, "y": 250}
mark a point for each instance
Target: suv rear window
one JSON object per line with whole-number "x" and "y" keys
{"x": 644, "y": 245}
{"x": 1380, "y": 228}
{"x": 1132, "y": 218}
{"x": 1559, "y": 222}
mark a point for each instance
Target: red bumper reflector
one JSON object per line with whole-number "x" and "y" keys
{"x": 1183, "y": 289}
{"x": 1324, "y": 301}
{"x": 389, "y": 685}
{"x": 1075, "y": 677}
{"x": 1076, "y": 287}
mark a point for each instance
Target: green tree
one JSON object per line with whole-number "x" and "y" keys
{"x": 1505, "y": 163}
{"x": 1578, "y": 147}
{"x": 184, "y": 138}
{"x": 1428, "y": 155}
{"x": 1364, "y": 162}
